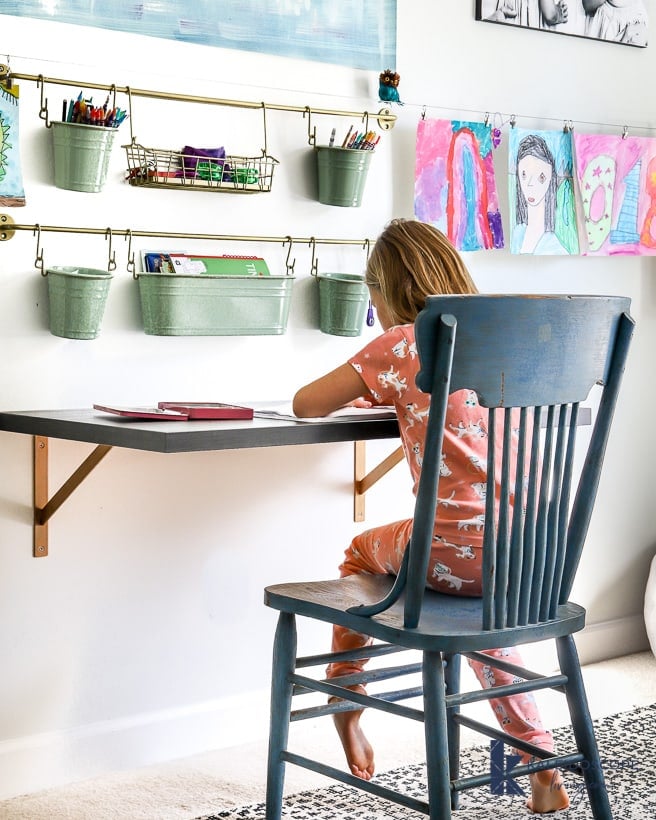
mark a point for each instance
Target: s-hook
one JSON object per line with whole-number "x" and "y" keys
{"x": 111, "y": 255}
{"x": 289, "y": 266}
{"x": 43, "y": 109}
{"x": 314, "y": 265}
{"x": 131, "y": 265}
{"x": 38, "y": 262}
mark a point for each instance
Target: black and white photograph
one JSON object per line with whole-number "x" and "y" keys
{"x": 616, "y": 21}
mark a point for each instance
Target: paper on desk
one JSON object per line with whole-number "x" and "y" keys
{"x": 283, "y": 410}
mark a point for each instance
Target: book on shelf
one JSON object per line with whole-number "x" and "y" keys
{"x": 180, "y": 411}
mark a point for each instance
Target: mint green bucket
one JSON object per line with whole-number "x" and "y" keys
{"x": 77, "y": 298}
{"x": 343, "y": 299}
{"x": 342, "y": 175}
{"x": 82, "y": 155}
{"x": 208, "y": 305}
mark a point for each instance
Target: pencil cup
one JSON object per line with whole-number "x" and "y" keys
{"x": 82, "y": 155}
{"x": 343, "y": 299}
{"x": 342, "y": 175}
{"x": 77, "y": 298}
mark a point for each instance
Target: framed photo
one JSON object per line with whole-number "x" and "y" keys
{"x": 614, "y": 21}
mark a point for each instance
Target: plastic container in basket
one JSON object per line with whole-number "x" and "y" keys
{"x": 158, "y": 168}
{"x": 180, "y": 305}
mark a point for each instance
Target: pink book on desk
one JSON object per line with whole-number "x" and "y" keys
{"x": 208, "y": 410}
{"x": 154, "y": 413}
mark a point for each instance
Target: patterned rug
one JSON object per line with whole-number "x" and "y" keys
{"x": 627, "y": 743}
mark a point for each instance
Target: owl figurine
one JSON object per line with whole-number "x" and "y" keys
{"x": 388, "y": 86}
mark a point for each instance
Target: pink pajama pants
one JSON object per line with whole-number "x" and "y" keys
{"x": 453, "y": 570}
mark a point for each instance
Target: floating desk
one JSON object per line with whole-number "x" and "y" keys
{"x": 94, "y": 427}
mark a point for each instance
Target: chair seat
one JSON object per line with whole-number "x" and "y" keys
{"x": 447, "y": 621}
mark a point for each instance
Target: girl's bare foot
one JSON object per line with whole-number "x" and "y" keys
{"x": 358, "y": 751}
{"x": 548, "y": 792}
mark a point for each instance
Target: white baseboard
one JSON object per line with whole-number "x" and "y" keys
{"x": 52, "y": 759}
{"x": 612, "y": 639}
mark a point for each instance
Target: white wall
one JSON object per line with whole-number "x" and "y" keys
{"x": 143, "y": 635}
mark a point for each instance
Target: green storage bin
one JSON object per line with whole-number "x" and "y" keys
{"x": 342, "y": 174}
{"x": 81, "y": 155}
{"x": 343, "y": 299}
{"x": 180, "y": 305}
{"x": 76, "y": 301}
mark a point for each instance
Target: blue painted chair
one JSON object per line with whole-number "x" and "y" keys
{"x": 542, "y": 355}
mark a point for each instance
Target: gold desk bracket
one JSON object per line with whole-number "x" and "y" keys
{"x": 363, "y": 481}
{"x": 44, "y": 507}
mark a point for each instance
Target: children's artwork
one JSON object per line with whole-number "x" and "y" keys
{"x": 455, "y": 188}
{"x": 616, "y": 180}
{"x": 541, "y": 193}
{"x": 11, "y": 178}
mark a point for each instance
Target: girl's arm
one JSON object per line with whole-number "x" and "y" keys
{"x": 336, "y": 389}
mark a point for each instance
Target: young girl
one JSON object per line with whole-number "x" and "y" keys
{"x": 410, "y": 261}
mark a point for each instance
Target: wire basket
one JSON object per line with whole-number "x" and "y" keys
{"x": 157, "y": 168}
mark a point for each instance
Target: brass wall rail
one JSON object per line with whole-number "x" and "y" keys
{"x": 384, "y": 117}
{"x": 8, "y": 228}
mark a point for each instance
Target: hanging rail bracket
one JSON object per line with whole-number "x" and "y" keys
{"x": 6, "y": 231}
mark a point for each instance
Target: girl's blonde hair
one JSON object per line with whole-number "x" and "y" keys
{"x": 410, "y": 261}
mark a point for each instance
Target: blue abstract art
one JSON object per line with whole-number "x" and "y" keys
{"x": 355, "y": 33}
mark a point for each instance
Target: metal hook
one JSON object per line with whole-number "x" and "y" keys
{"x": 289, "y": 267}
{"x": 129, "y": 93}
{"x": 43, "y": 110}
{"x": 365, "y": 120}
{"x": 38, "y": 262}
{"x": 131, "y": 265}
{"x": 423, "y": 112}
{"x": 264, "y": 124}
{"x": 625, "y": 132}
{"x": 312, "y": 132}
{"x": 366, "y": 245}
{"x": 568, "y": 126}
{"x": 487, "y": 119}
{"x": 111, "y": 258}
{"x": 513, "y": 120}
{"x": 314, "y": 266}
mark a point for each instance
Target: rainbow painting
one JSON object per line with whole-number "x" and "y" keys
{"x": 455, "y": 188}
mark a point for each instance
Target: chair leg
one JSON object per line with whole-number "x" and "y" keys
{"x": 582, "y": 728}
{"x": 452, "y": 679}
{"x": 435, "y": 729}
{"x": 284, "y": 662}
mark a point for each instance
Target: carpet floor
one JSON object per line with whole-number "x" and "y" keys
{"x": 627, "y": 743}
{"x": 215, "y": 783}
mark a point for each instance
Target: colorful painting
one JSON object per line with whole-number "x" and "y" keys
{"x": 356, "y": 33}
{"x": 616, "y": 181}
{"x": 455, "y": 188}
{"x": 541, "y": 193}
{"x": 11, "y": 178}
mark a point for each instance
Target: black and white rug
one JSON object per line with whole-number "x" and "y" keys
{"x": 627, "y": 743}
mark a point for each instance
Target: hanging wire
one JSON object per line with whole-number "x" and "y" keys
{"x": 512, "y": 118}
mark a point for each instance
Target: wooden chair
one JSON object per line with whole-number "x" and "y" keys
{"x": 543, "y": 355}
